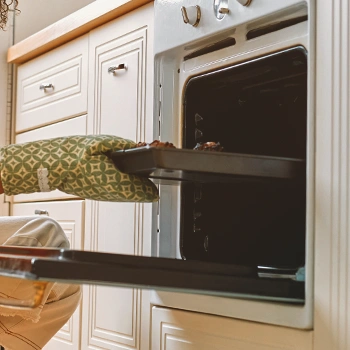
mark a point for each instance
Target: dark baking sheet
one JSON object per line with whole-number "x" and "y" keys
{"x": 189, "y": 165}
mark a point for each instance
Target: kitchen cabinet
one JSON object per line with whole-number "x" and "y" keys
{"x": 116, "y": 102}
{"x": 70, "y": 215}
{"x": 52, "y": 87}
{"x": 115, "y": 318}
{"x": 120, "y": 103}
{"x": 181, "y": 330}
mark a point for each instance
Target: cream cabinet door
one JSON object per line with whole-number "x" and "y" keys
{"x": 53, "y": 86}
{"x": 181, "y": 330}
{"x": 70, "y": 215}
{"x": 120, "y": 103}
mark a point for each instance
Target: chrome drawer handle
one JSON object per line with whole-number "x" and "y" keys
{"x": 121, "y": 66}
{"x": 41, "y": 212}
{"x": 45, "y": 86}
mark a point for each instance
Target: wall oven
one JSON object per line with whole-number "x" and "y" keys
{"x": 240, "y": 73}
{"x": 232, "y": 228}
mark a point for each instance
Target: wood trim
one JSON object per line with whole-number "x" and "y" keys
{"x": 71, "y": 27}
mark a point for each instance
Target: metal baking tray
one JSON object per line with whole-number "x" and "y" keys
{"x": 96, "y": 268}
{"x": 178, "y": 165}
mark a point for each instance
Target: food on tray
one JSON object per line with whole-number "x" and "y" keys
{"x": 209, "y": 146}
{"x": 156, "y": 143}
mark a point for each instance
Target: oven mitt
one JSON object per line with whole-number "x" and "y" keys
{"x": 76, "y": 165}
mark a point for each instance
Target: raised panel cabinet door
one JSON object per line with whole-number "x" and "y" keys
{"x": 181, "y": 330}
{"x": 70, "y": 215}
{"x": 53, "y": 86}
{"x": 121, "y": 77}
{"x": 120, "y": 103}
{"x": 112, "y": 316}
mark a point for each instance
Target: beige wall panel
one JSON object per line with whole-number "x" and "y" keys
{"x": 38, "y": 14}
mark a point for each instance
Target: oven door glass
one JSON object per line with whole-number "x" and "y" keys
{"x": 71, "y": 266}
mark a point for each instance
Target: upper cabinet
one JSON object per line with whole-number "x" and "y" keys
{"x": 53, "y": 87}
{"x": 120, "y": 72}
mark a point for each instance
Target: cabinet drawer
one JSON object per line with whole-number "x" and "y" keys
{"x": 174, "y": 329}
{"x": 65, "y": 71}
{"x": 70, "y": 215}
{"x": 75, "y": 126}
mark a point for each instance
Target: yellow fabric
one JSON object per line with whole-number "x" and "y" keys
{"x": 28, "y": 329}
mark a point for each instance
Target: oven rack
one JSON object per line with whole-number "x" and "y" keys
{"x": 84, "y": 267}
{"x": 174, "y": 166}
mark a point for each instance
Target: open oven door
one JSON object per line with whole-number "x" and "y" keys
{"x": 83, "y": 267}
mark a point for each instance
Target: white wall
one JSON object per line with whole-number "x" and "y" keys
{"x": 5, "y": 89}
{"x": 38, "y": 14}
{"x": 332, "y": 225}
{"x": 5, "y": 95}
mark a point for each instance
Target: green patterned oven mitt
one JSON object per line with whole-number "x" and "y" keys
{"x": 76, "y": 165}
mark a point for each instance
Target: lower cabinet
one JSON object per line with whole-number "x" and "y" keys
{"x": 109, "y": 317}
{"x": 116, "y": 318}
{"x": 70, "y": 215}
{"x": 181, "y": 330}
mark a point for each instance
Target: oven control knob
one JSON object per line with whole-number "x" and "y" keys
{"x": 221, "y": 8}
{"x": 224, "y": 10}
{"x": 191, "y": 15}
{"x": 245, "y": 2}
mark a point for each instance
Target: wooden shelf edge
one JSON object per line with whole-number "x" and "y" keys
{"x": 71, "y": 27}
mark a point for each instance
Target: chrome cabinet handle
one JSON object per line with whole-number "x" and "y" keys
{"x": 41, "y": 212}
{"x": 191, "y": 15}
{"x": 46, "y": 86}
{"x": 121, "y": 66}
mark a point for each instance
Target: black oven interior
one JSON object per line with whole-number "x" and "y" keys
{"x": 257, "y": 107}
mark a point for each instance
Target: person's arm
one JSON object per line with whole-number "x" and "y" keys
{"x": 77, "y": 165}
